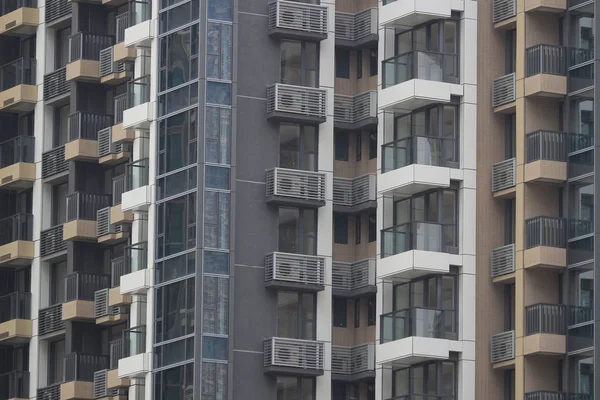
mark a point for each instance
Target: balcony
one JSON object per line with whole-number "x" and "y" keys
{"x": 549, "y": 395}
{"x": 352, "y": 364}
{"x": 135, "y": 362}
{"x": 295, "y": 188}
{"x": 546, "y": 6}
{"x": 285, "y": 271}
{"x": 103, "y": 392}
{"x": 580, "y": 315}
{"x": 504, "y": 94}
{"x": 50, "y": 320}
{"x": 15, "y": 385}
{"x": 51, "y": 392}
{"x": 295, "y": 20}
{"x": 19, "y": 18}
{"x": 546, "y": 71}
{"x": 116, "y": 353}
{"x": 109, "y": 152}
{"x": 107, "y": 314}
{"x": 545, "y": 329}
{"x": 356, "y": 31}
{"x": 17, "y": 166}
{"x": 51, "y": 242}
{"x": 504, "y": 178}
{"x": 417, "y": 163}
{"x": 83, "y": 128}
{"x": 415, "y": 335}
{"x": 415, "y": 249}
{"x": 136, "y": 278}
{"x": 139, "y": 112}
{"x": 504, "y": 13}
{"x": 409, "y": 13}
{"x": 354, "y": 279}
{"x": 546, "y": 157}
{"x": 80, "y": 292}
{"x": 56, "y": 87}
{"x": 503, "y": 349}
{"x": 140, "y": 32}
{"x": 294, "y": 356}
{"x": 119, "y": 134}
{"x": 121, "y": 53}
{"x": 354, "y": 196}
{"x": 57, "y": 12}
{"x": 300, "y": 104}
{"x": 417, "y": 79}
{"x": 545, "y": 241}
{"x": 137, "y": 194}
{"x": 18, "y": 90}
{"x": 355, "y": 112}
{"x": 581, "y": 159}
{"x": 580, "y": 228}
{"x": 79, "y": 372}
{"x": 15, "y": 319}
{"x": 82, "y": 210}
{"x": 503, "y": 263}
{"x": 84, "y": 56}
{"x": 113, "y": 72}
{"x": 16, "y": 240}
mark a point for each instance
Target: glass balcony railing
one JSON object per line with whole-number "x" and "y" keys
{"x": 138, "y": 91}
{"x": 15, "y": 306}
{"x": 16, "y": 227}
{"x": 18, "y": 72}
{"x": 136, "y": 174}
{"x": 136, "y": 257}
{"x": 16, "y": 150}
{"x": 134, "y": 341}
{"x": 139, "y": 11}
{"x": 426, "y": 236}
{"x": 421, "y": 322}
{"x": 420, "y": 65}
{"x": 421, "y": 150}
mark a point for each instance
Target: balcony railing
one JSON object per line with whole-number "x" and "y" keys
{"x": 51, "y": 241}
{"x": 136, "y": 257}
{"x": 293, "y": 353}
{"x": 85, "y": 205}
{"x": 136, "y": 174}
{"x": 53, "y": 162}
{"x": 298, "y": 16}
{"x": 15, "y": 306}
{"x": 580, "y": 227}
{"x": 138, "y": 91}
{"x": 579, "y": 142}
{"x": 504, "y": 175}
{"x": 55, "y": 83}
{"x": 116, "y": 353}
{"x": 87, "y": 46}
{"x": 139, "y": 11}
{"x": 15, "y": 385}
{"x": 421, "y": 322}
{"x": 81, "y": 367}
{"x": 10, "y": 6}
{"x": 353, "y": 360}
{"x": 51, "y": 392}
{"x": 546, "y": 59}
{"x": 81, "y": 286}
{"x": 353, "y": 276}
{"x": 297, "y": 184}
{"x": 118, "y": 188}
{"x": 548, "y": 395}
{"x": 546, "y": 145}
{"x": 121, "y": 23}
{"x": 354, "y": 109}
{"x": 580, "y": 315}
{"x": 581, "y": 156}
{"x": 503, "y": 260}
{"x": 16, "y": 150}
{"x": 503, "y": 347}
{"x": 134, "y": 341}
{"x": 117, "y": 270}
{"x": 298, "y": 268}
{"x": 423, "y": 150}
{"x": 50, "y": 320}
{"x": 56, "y": 9}
{"x": 420, "y": 65}
{"x": 120, "y": 106}
{"x": 349, "y": 192}
{"x": 504, "y": 9}
{"x": 503, "y": 90}
{"x": 426, "y": 236}
{"x": 18, "y": 72}
{"x": 298, "y": 100}
{"x": 16, "y": 227}
{"x": 84, "y": 125}
{"x": 545, "y": 231}
{"x": 580, "y": 56}
{"x": 546, "y": 318}
{"x": 354, "y": 27}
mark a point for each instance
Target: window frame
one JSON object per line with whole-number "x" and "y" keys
{"x": 438, "y": 377}
{"x": 301, "y": 235}
{"x": 342, "y": 54}
{"x": 301, "y": 313}
{"x": 343, "y": 155}
{"x": 304, "y": 69}
{"x": 337, "y": 230}
{"x": 339, "y": 312}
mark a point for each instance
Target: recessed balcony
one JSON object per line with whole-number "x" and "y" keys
{"x": 545, "y": 329}
{"x": 50, "y": 320}
{"x": 295, "y": 188}
{"x": 135, "y": 362}
{"x": 504, "y": 14}
{"x": 546, "y": 153}
{"x": 84, "y": 56}
{"x": 294, "y": 356}
{"x": 137, "y": 195}
{"x": 139, "y": 112}
{"x": 16, "y": 240}
{"x": 409, "y": 13}
{"x": 113, "y": 72}
{"x": 14, "y": 385}
{"x": 135, "y": 277}
{"x": 15, "y": 319}
{"x": 286, "y": 271}
{"x": 504, "y": 178}
{"x": 354, "y": 279}
{"x": 18, "y": 90}
{"x": 546, "y": 71}
{"x": 353, "y": 196}
{"x": 112, "y": 378}
{"x": 295, "y": 20}
{"x": 504, "y": 94}
{"x": 503, "y": 263}
{"x": 82, "y": 209}
{"x": 83, "y": 128}
{"x": 352, "y": 364}
{"x": 19, "y": 18}
{"x": 357, "y": 30}
{"x": 80, "y": 292}
{"x": 503, "y": 350}
{"x": 17, "y": 166}
{"x": 79, "y": 371}
{"x": 106, "y": 314}
{"x": 140, "y": 32}
{"x": 291, "y": 103}
{"x": 355, "y": 112}
{"x": 545, "y": 243}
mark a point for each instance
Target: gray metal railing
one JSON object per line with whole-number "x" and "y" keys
{"x": 81, "y": 367}
{"x": 298, "y": 16}
{"x": 8, "y": 6}
{"x": 416, "y": 64}
{"x": 293, "y": 183}
{"x": 116, "y": 353}
{"x": 16, "y": 150}
{"x": 416, "y": 235}
{"x": 353, "y": 27}
{"x": 347, "y": 360}
{"x": 503, "y": 260}
{"x": 16, "y": 227}
{"x": 503, "y": 90}
{"x": 503, "y": 10}
{"x": 87, "y": 46}
{"x": 504, "y": 175}
{"x": 298, "y": 268}
{"x": 418, "y": 321}
{"x": 50, "y": 320}
{"x": 56, "y": 9}
{"x": 350, "y": 192}
{"x": 85, "y": 125}
{"x": 353, "y": 276}
{"x": 580, "y": 315}
{"x": 546, "y": 318}
{"x": 121, "y": 23}
{"x": 15, "y": 306}
{"x": 53, "y": 162}
{"x": 14, "y": 385}
{"x": 118, "y": 188}
{"x": 580, "y": 227}
{"x": 546, "y": 145}
{"x": 120, "y": 106}
{"x": 353, "y": 109}
{"x": 55, "y": 83}
{"x": 17, "y": 72}
{"x": 82, "y": 286}
{"x": 293, "y": 353}
{"x": 549, "y": 395}
{"x": 503, "y": 347}
{"x": 51, "y": 241}
{"x": 300, "y": 100}
{"x": 85, "y": 205}
{"x": 51, "y": 392}
{"x": 545, "y": 231}
{"x": 546, "y": 59}
{"x": 117, "y": 270}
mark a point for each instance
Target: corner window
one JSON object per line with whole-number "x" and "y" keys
{"x": 340, "y": 226}
{"x": 342, "y": 146}
{"x": 339, "y": 312}
{"x": 175, "y": 310}
{"x": 342, "y": 63}
{"x": 299, "y": 63}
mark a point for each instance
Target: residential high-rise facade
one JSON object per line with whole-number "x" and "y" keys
{"x": 240, "y": 199}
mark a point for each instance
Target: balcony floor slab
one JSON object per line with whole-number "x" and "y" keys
{"x": 19, "y": 176}
{"x": 416, "y": 93}
{"x": 416, "y": 263}
{"x": 413, "y": 350}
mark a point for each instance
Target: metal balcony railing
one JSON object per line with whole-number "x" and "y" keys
{"x": 51, "y": 241}
{"x": 504, "y": 175}
{"x": 117, "y": 270}
{"x": 504, "y": 9}
{"x": 503, "y": 90}
{"x": 293, "y": 353}
{"x": 297, "y": 184}
{"x": 82, "y": 286}
{"x": 546, "y": 59}
{"x": 85, "y": 205}
{"x": 350, "y": 192}
{"x": 580, "y": 227}
{"x": 14, "y": 385}
{"x": 16, "y": 150}
{"x": 118, "y": 188}
{"x": 580, "y": 315}
{"x": 84, "y": 125}
{"x": 301, "y": 100}
{"x": 353, "y": 360}
{"x": 51, "y": 392}
{"x": 422, "y": 150}
{"x": 134, "y": 341}
{"x": 121, "y": 23}
{"x": 107, "y": 65}
{"x": 354, "y": 109}
{"x": 580, "y": 56}
{"x": 15, "y": 306}
{"x": 53, "y": 162}
{"x": 50, "y": 320}
{"x": 136, "y": 174}
{"x": 116, "y": 353}
{"x": 503, "y": 347}
{"x": 16, "y": 227}
{"x": 545, "y": 231}
{"x": 426, "y": 236}
{"x": 18, "y": 72}
{"x": 138, "y": 91}
{"x": 353, "y": 27}
{"x": 416, "y": 64}
{"x": 418, "y": 321}
{"x": 10, "y": 6}
{"x": 549, "y": 395}
{"x": 503, "y": 260}
{"x": 546, "y": 318}
{"x": 87, "y": 46}
{"x": 298, "y": 268}
{"x": 81, "y": 367}
{"x": 298, "y": 16}
{"x": 55, "y": 83}
{"x": 120, "y": 106}
{"x": 353, "y": 276}
{"x": 136, "y": 257}
{"x": 139, "y": 11}
{"x": 546, "y": 145}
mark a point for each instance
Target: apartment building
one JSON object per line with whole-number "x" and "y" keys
{"x": 229, "y": 199}
{"x": 535, "y": 243}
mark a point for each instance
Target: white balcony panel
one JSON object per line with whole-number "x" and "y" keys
{"x": 415, "y": 263}
{"x": 416, "y": 178}
{"x": 135, "y": 366}
{"x": 416, "y": 93}
{"x": 414, "y": 349}
{"x": 137, "y": 199}
{"x": 139, "y": 117}
{"x": 140, "y": 35}
{"x": 408, "y": 13}
{"x": 136, "y": 282}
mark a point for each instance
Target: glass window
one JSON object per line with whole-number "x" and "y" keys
{"x": 178, "y": 54}
{"x": 296, "y": 317}
{"x": 371, "y": 311}
{"x": 176, "y": 225}
{"x": 340, "y": 226}
{"x": 220, "y": 10}
{"x": 357, "y": 230}
{"x": 61, "y": 125}
{"x": 216, "y": 306}
{"x": 218, "y": 93}
{"x": 175, "y": 267}
{"x": 219, "y": 48}
{"x": 214, "y": 381}
{"x": 177, "y": 16}
{"x": 214, "y": 348}
{"x": 299, "y": 63}
{"x": 298, "y": 146}
{"x": 175, "y": 383}
{"x": 177, "y": 141}
{"x": 339, "y": 312}
{"x": 59, "y": 204}
{"x": 357, "y": 313}
{"x": 174, "y": 352}
{"x": 342, "y": 146}
{"x": 358, "y": 146}
{"x": 372, "y": 145}
{"x": 218, "y": 135}
{"x": 373, "y": 62}
{"x": 297, "y": 231}
{"x": 342, "y": 63}
{"x": 216, "y": 262}
{"x": 217, "y": 177}
{"x": 62, "y": 48}
{"x": 179, "y": 182}
{"x": 56, "y": 361}
{"x": 437, "y": 378}
{"x": 178, "y": 99}
{"x": 295, "y": 388}
{"x": 216, "y": 220}
{"x": 175, "y": 310}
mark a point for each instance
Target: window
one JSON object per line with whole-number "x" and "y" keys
{"x": 342, "y": 63}
{"x": 219, "y": 49}
{"x": 57, "y": 282}
{"x": 59, "y": 204}
{"x": 173, "y": 352}
{"x": 340, "y": 226}
{"x": 358, "y": 146}
{"x": 176, "y": 225}
{"x": 359, "y": 62}
{"x": 216, "y": 219}
{"x": 61, "y": 123}
{"x": 176, "y": 17}
{"x": 56, "y": 361}
{"x": 342, "y": 144}
{"x": 176, "y": 383}
{"x": 216, "y": 306}
{"x": 372, "y": 228}
{"x": 178, "y": 58}
{"x": 220, "y": 9}
{"x": 372, "y": 145}
{"x": 214, "y": 381}
{"x": 371, "y": 311}
{"x": 357, "y": 232}
{"x": 62, "y": 48}
{"x": 373, "y": 62}
{"x": 295, "y": 388}
{"x": 437, "y": 378}
{"x": 175, "y": 310}
{"x": 298, "y": 146}
{"x": 218, "y": 135}
{"x": 175, "y": 267}
{"x": 177, "y": 141}
{"x": 296, "y": 315}
{"x": 297, "y": 231}
{"x": 339, "y": 312}
{"x": 300, "y": 63}
{"x": 338, "y": 391}
{"x": 357, "y": 313}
